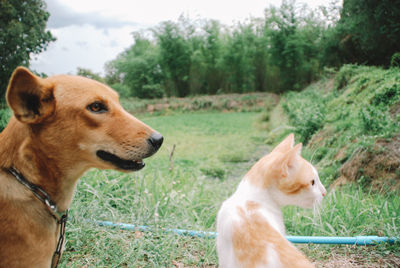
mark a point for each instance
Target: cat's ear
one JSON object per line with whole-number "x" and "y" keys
{"x": 285, "y": 145}
{"x": 293, "y": 154}
{"x": 290, "y": 160}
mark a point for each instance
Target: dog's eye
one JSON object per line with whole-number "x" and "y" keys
{"x": 312, "y": 182}
{"x": 97, "y": 107}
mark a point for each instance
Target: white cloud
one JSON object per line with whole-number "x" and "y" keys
{"x": 82, "y": 46}
{"x": 91, "y": 32}
{"x": 62, "y": 15}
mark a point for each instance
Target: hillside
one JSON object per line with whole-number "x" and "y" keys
{"x": 350, "y": 124}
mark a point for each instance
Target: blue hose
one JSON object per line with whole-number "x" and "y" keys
{"x": 357, "y": 240}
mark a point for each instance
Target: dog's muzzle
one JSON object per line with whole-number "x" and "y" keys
{"x": 155, "y": 141}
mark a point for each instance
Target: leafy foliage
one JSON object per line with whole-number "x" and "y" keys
{"x": 395, "y": 62}
{"x": 89, "y": 74}
{"x": 369, "y": 31}
{"x": 306, "y": 113}
{"x": 276, "y": 53}
{"x": 175, "y": 56}
{"x": 338, "y": 125}
{"x": 137, "y": 68}
{"x": 5, "y": 115}
{"x": 22, "y": 34}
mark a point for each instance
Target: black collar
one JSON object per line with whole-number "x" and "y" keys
{"x": 60, "y": 217}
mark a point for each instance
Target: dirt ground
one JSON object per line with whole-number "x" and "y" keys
{"x": 380, "y": 166}
{"x": 335, "y": 256}
{"x": 359, "y": 260}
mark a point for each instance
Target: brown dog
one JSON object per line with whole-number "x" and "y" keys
{"x": 62, "y": 126}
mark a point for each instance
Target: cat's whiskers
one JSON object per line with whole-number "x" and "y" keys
{"x": 317, "y": 219}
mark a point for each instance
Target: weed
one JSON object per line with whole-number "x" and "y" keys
{"x": 214, "y": 171}
{"x": 235, "y": 157}
{"x": 374, "y": 121}
{"x": 389, "y": 95}
{"x": 306, "y": 111}
{"x": 343, "y": 77}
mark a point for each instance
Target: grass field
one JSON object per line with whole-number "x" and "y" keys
{"x": 209, "y": 148}
{"x": 213, "y": 151}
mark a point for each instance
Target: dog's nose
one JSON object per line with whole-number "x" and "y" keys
{"x": 155, "y": 140}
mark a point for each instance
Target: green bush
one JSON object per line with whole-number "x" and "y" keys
{"x": 306, "y": 111}
{"x": 344, "y": 123}
{"x": 199, "y": 104}
{"x": 153, "y": 91}
{"x": 389, "y": 95}
{"x": 122, "y": 89}
{"x": 395, "y": 61}
{"x": 344, "y": 75}
{"x": 5, "y": 115}
{"x": 376, "y": 122}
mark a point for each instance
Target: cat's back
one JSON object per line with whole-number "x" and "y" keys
{"x": 248, "y": 236}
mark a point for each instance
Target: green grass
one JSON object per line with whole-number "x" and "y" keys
{"x": 344, "y": 118}
{"x": 338, "y": 119}
{"x": 189, "y": 196}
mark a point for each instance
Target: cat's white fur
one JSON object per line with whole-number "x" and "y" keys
{"x": 263, "y": 201}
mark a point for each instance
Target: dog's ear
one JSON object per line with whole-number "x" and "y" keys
{"x": 285, "y": 145}
{"x": 30, "y": 97}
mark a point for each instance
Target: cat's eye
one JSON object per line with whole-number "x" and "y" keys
{"x": 313, "y": 182}
{"x": 97, "y": 107}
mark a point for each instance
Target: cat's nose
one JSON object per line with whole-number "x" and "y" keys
{"x": 322, "y": 189}
{"x": 323, "y": 192}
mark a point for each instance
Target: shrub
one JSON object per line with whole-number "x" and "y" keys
{"x": 5, "y": 115}
{"x": 395, "y": 61}
{"x": 376, "y": 122}
{"x": 306, "y": 111}
{"x": 122, "y": 89}
{"x": 388, "y": 96}
{"x": 153, "y": 91}
{"x": 344, "y": 75}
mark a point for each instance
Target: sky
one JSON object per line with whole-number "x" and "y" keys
{"x": 92, "y": 32}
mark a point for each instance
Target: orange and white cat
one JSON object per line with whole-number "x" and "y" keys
{"x": 251, "y": 232}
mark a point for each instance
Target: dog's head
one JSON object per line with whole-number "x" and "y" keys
{"x": 80, "y": 120}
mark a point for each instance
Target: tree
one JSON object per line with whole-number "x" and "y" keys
{"x": 282, "y": 51}
{"x": 239, "y": 59}
{"x": 174, "y": 57}
{"x": 137, "y": 68}
{"x": 90, "y": 74}
{"x": 293, "y": 36}
{"x": 286, "y": 48}
{"x": 211, "y": 55}
{"x": 369, "y": 31}
{"x": 22, "y": 33}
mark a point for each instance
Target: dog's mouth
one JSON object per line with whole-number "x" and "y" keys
{"x": 131, "y": 165}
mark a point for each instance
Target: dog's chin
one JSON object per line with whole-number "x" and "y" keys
{"x": 119, "y": 163}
